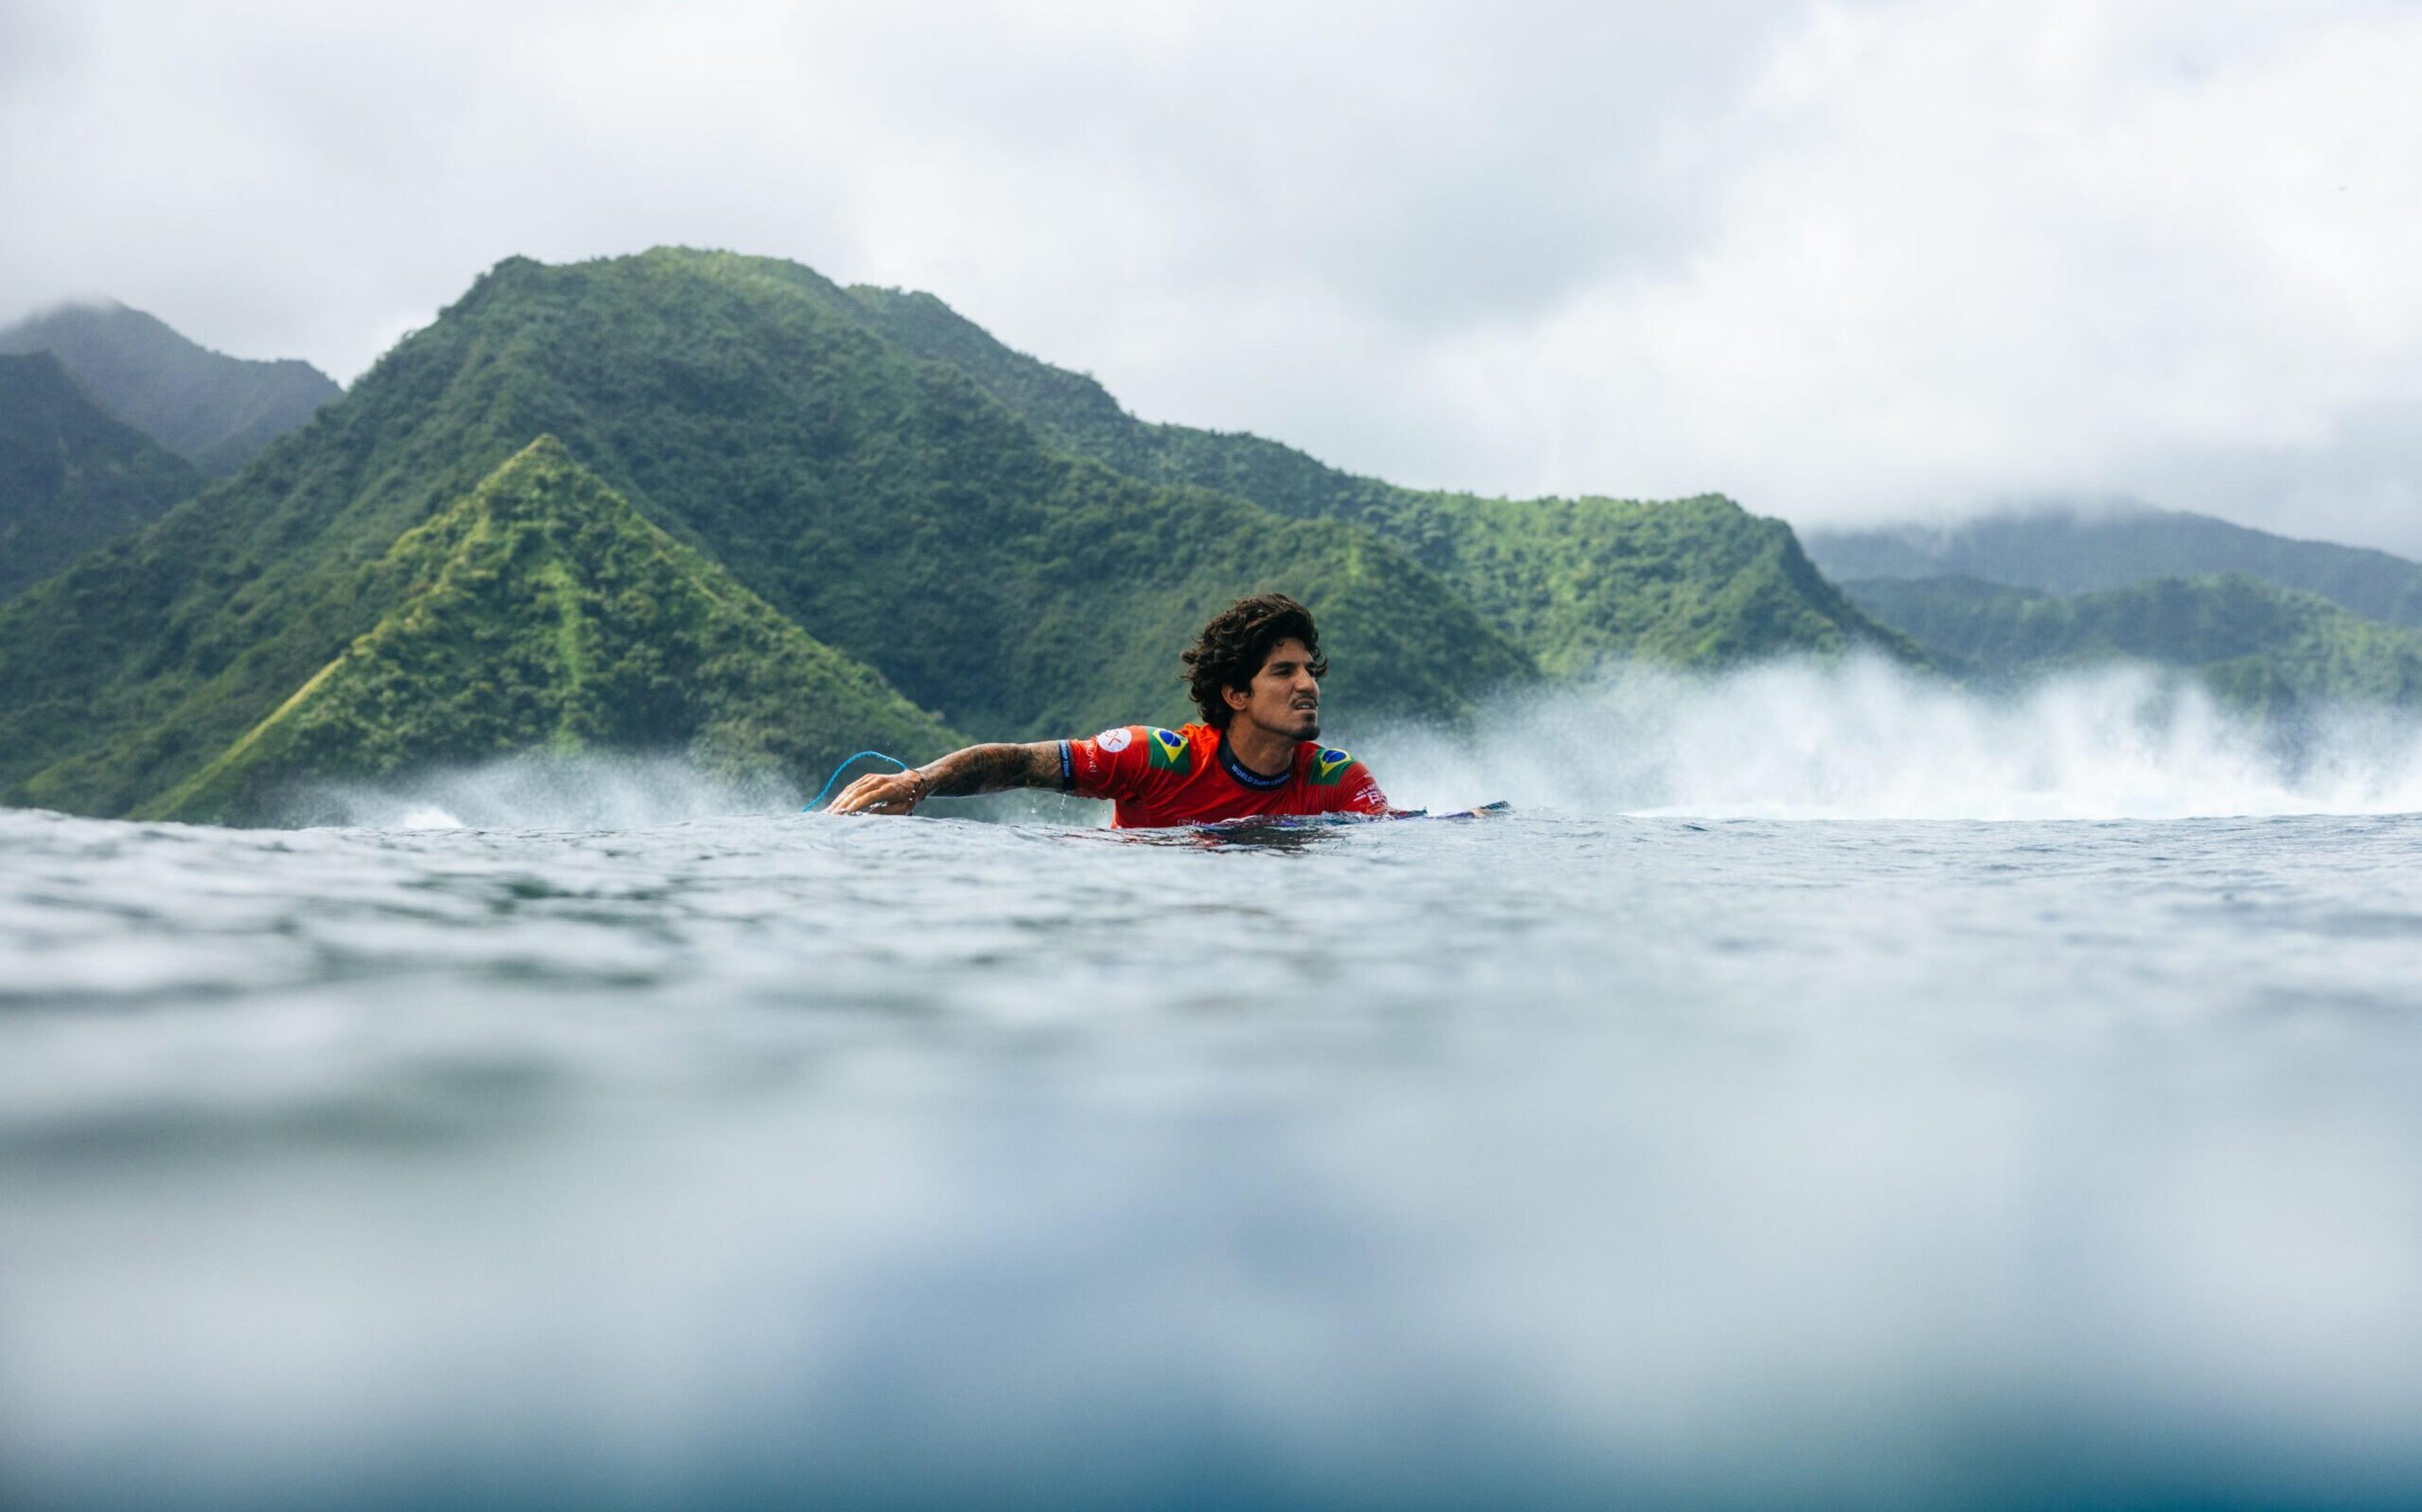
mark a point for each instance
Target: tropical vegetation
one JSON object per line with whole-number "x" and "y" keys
{"x": 541, "y": 613}
{"x": 921, "y": 529}
{"x": 71, "y": 476}
{"x": 216, "y": 412}
{"x": 1577, "y": 583}
{"x": 2262, "y": 647}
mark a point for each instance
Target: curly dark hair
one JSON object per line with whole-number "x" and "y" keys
{"x": 1234, "y": 646}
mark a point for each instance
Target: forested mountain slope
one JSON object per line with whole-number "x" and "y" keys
{"x": 1575, "y": 581}
{"x": 883, "y": 504}
{"x": 1010, "y": 567}
{"x": 2257, "y": 644}
{"x": 71, "y": 476}
{"x": 2082, "y": 551}
{"x": 216, "y": 412}
{"x": 541, "y": 613}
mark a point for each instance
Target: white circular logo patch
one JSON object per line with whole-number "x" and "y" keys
{"x": 1113, "y": 742}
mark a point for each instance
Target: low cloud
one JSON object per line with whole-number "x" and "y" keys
{"x": 1845, "y": 262}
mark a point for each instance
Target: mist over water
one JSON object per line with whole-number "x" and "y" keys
{"x": 1864, "y": 740}
{"x": 1856, "y": 740}
{"x": 542, "y": 791}
{"x": 556, "y": 1134}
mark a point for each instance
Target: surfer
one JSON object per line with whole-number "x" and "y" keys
{"x": 1255, "y": 673}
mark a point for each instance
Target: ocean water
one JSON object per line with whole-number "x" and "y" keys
{"x": 1774, "y": 1110}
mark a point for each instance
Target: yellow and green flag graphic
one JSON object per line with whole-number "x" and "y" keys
{"x": 1168, "y": 750}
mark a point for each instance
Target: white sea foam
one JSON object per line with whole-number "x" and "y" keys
{"x": 543, "y": 791}
{"x": 1785, "y": 739}
{"x": 1866, "y": 739}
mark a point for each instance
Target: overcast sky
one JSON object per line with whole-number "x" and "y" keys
{"x": 1843, "y": 262}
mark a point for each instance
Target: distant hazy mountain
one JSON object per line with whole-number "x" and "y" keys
{"x": 1574, "y": 582}
{"x": 2255, "y": 644}
{"x": 216, "y": 412}
{"x": 2084, "y": 551}
{"x": 71, "y": 476}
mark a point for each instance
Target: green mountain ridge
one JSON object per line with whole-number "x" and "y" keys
{"x": 2258, "y": 645}
{"x": 216, "y": 412}
{"x": 2074, "y": 552}
{"x": 877, "y": 493}
{"x": 746, "y": 408}
{"x": 71, "y": 476}
{"x": 1575, "y": 581}
{"x": 541, "y": 613}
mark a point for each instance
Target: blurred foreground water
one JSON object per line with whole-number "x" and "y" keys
{"x": 1563, "y": 1158}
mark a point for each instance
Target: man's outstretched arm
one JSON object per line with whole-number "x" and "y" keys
{"x": 978, "y": 768}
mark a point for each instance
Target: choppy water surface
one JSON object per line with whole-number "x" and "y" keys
{"x": 1561, "y": 1158}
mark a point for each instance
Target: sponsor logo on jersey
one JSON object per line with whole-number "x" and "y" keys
{"x": 1170, "y": 752}
{"x": 1328, "y": 766}
{"x": 1112, "y": 741}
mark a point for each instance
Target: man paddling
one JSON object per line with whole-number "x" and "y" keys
{"x": 1255, "y": 674}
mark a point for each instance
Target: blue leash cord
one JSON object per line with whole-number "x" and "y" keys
{"x": 818, "y": 802}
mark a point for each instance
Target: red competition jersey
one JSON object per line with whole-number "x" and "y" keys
{"x": 1160, "y": 778}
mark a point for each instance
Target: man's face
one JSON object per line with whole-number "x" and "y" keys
{"x": 1285, "y": 697}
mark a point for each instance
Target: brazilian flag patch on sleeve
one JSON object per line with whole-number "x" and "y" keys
{"x": 1328, "y": 766}
{"x": 1169, "y": 751}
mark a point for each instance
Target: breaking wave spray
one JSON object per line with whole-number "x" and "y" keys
{"x": 1864, "y": 739}
{"x": 1857, "y": 740}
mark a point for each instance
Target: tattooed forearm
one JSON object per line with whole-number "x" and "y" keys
{"x": 978, "y": 768}
{"x": 988, "y": 769}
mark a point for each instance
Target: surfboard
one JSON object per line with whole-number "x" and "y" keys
{"x": 1320, "y": 821}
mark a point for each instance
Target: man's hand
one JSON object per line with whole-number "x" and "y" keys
{"x": 884, "y": 792}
